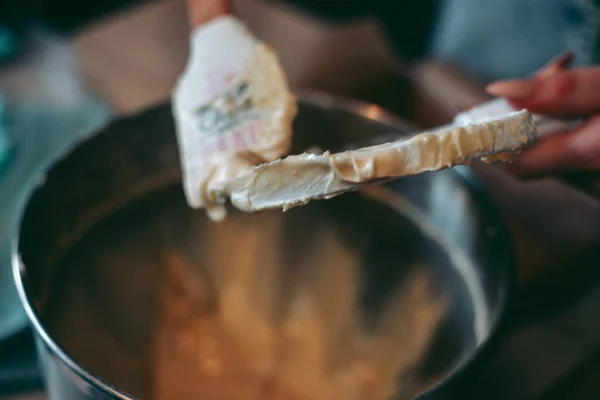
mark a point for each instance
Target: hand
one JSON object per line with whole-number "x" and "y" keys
{"x": 560, "y": 91}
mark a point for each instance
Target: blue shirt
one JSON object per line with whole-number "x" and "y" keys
{"x": 496, "y": 39}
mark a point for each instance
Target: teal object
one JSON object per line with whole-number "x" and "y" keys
{"x": 5, "y": 143}
{"x": 8, "y": 43}
{"x": 34, "y": 135}
{"x": 40, "y": 122}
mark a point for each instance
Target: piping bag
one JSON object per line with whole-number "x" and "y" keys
{"x": 232, "y": 107}
{"x": 234, "y": 110}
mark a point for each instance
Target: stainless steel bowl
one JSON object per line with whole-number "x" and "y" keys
{"x": 425, "y": 259}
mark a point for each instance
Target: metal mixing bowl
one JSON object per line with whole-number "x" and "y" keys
{"x": 89, "y": 261}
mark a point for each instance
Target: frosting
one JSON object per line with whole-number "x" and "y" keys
{"x": 298, "y": 179}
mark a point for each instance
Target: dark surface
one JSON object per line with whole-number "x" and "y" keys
{"x": 396, "y": 17}
{"x": 62, "y": 15}
{"x": 18, "y": 365}
{"x": 407, "y": 24}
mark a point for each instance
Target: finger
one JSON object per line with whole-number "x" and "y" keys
{"x": 575, "y": 91}
{"x": 572, "y": 151}
{"x": 557, "y": 64}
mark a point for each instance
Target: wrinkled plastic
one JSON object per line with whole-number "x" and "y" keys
{"x": 232, "y": 107}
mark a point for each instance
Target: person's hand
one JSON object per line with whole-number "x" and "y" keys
{"x": 232, "y": 108}
{"x": 558, "y": 90}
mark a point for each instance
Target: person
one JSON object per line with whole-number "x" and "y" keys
{"x": 497, "y": 41}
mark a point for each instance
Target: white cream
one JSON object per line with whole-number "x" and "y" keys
{"x": 298, "y": 179}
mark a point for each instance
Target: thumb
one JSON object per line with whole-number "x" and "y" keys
{"x": 578, "y": 150}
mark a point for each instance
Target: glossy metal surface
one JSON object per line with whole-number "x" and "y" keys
{"x": 94, "y": 236}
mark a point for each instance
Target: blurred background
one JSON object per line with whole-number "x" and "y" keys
{"x": 68, "y": 67}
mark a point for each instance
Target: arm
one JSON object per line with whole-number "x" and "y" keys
{"x": 202, "y": 11}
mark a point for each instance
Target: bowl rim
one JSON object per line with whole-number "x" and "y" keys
{"x": 500, "y": 243}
